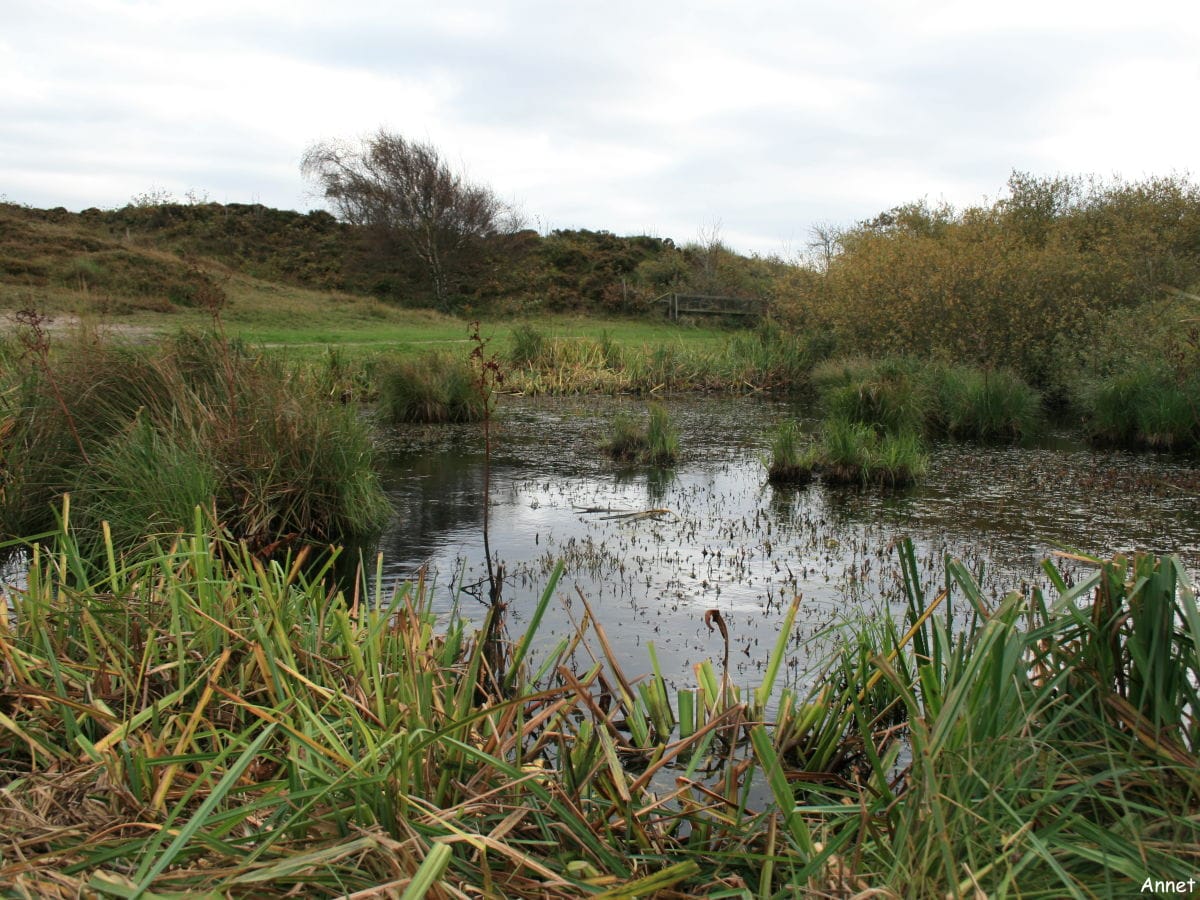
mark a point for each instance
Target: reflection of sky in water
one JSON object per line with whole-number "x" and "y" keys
{"x": 731, "y": 542}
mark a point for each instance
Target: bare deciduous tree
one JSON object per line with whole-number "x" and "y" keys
{"x": 824, "y": 244}
{"x": 406, "y": 189}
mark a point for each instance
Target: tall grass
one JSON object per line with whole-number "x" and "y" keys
{"x": 433, "y": 388}
{"x": 528, "y": 346}
{"x": 890, "y": 394}
{"x": 984, "y": 405}
{"x": 1054, "y": 742}
{"x": 661, "y": 436}
{"x": 206, "y": 723}
{"x": 142, "y": 435}
{"x": 904, "y": 394}
{"x": 792, "y": 458}
{"x": 654, "y": 443}
{"x": 765, "y": 359}
{"x": 854, "y": 453}
{"x": 1146, "y": 407}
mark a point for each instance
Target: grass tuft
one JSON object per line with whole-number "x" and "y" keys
{"x": 793, "y": 458}
{"x": 854, "y": 453}
{"x": 1147, "y": 407}
{"x": 655, "y": 443}
{"x": 433, "y": 388}
{"x": 981, "y": 405}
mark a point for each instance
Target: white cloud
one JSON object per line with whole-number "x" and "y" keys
{"x": 624, "y": 116}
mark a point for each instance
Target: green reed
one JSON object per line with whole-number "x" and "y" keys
{"x": 204, "y": 722}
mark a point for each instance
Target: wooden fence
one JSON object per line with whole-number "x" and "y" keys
{"x": 709, "y": 305}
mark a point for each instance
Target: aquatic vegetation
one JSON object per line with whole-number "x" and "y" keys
{"x": 891, "y": 395}
{"x": 204, "y": 723}
{"x": 793, "y": 457}
{"x": 852, "y": 452}
{"x": 766, "y": 359}
{"x": 528, "y": 346}
{"x": 771, "y": 358}
{"x": 984, "y": 405}
{"x": 140, "y": 436}
{"x": 903, "y": 394}
{"x": 654, "y": 443}
{"x": 626, "y": 440}
{"x": 1145, "y": 407}
{"x": 662, "y": 438}
{"x": 433, "y": 388}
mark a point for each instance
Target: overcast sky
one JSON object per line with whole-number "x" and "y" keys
{"x": 756, "y": 118}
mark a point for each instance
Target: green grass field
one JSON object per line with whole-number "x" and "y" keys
{"x": 308, "y": 322}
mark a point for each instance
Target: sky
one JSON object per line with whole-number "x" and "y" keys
{"x": 753, "y": 122}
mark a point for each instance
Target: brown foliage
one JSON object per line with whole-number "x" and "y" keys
{"x": 996, "y": 285}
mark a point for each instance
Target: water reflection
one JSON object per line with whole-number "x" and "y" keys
{"x": 731, "y": 542}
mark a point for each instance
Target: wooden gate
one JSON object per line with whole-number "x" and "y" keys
{"x": 709, "y": 305}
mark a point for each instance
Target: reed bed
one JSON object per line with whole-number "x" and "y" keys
{"x": 205, "y": 723}
{"x": 896, "y": 395}
{"x": 766, "y": 359}
{"x": 792, "y": 459}
{"x": 983, "y": 405}
{"x": 1148, "y": 407}
{"x": 890, "y": 395}
{"x": 851, "y": 452}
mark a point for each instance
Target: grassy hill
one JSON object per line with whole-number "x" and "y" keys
{"x": 279, "y": 278}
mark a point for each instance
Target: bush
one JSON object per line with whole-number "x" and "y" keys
{"x": 996, "y": 285}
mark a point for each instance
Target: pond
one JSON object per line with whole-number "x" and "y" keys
{"x": 652, "y": 550}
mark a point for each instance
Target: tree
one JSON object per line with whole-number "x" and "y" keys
{"x": 824, "y": 243}
{"x": 406, "y": 191}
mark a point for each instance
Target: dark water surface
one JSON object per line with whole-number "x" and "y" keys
{"x": 729, "y": 541}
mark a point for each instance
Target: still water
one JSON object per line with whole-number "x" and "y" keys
{"x": 653, "y": 549}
